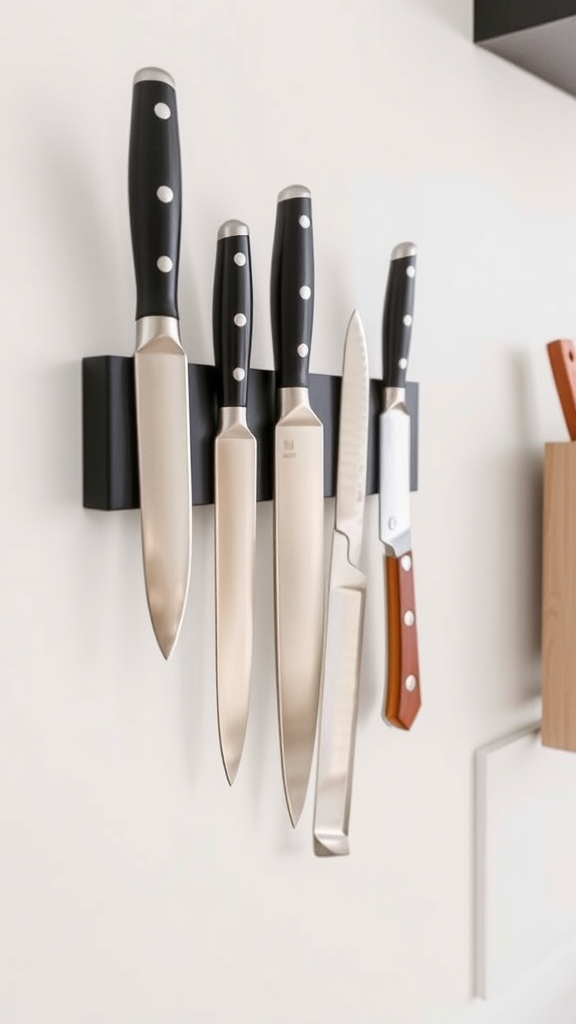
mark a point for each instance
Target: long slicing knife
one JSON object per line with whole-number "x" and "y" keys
{"x": 562, "y": 356}
{"x": 402, "y": 698}
{"x": 160, "y": 363}
{"x": 235, "y": 490}
{"x": 345, "y": 616}
{"x": 298, "y": 497}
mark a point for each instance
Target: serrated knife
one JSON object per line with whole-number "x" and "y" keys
{"x": 402, "y": 692}
{"x": 345, "y": 615}
{"x": 234, "y": 490}
{"x": 160, "y": 364}
{"x": 298, "y": 496}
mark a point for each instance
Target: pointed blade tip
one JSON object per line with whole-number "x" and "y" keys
{"x": 167, "y": 636}
{"x": 295, "y": 808}
{"x": 230, "y": 768}
{"x": 166, "y": 643}
{"x": 231, "y": 752}
{"x": 355, "y": 326}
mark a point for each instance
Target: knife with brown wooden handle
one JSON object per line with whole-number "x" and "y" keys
{"x": 298, "y": 496}
{"x": 562, "y": 356}
{"x": 160, "y": 364}
{"x": 402, "y": 696}
{"x": 234, "y": 490}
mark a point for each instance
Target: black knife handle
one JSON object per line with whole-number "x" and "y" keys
{"x": 292, "y": 287}
{"x": 155, "y": 193}
{"x": 232, "y": 313}
{"x": 398, "y": 315}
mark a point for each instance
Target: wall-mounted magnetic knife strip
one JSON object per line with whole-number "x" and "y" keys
{"x": 110, "y": 464}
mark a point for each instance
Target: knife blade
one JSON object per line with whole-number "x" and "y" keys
{"x": 345, "y": 614}
{"x": 562, "y": 356}
{"x": 402, "y": 697}
{"x": 298, "y": 496}
{"x": 160, "y": 364}
{"x": 234, "y": 490}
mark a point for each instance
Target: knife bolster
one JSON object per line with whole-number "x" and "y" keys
{"x": 150, "y": 328}
{"x": 290, "y": 400}
{"x": 230, "y": 417}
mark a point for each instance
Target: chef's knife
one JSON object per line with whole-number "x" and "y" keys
{"x": 562, "y": 355}
{"x": 345, "y": 616}
{"x": 234, "y": 490}
{"x": 298, "y": 496}
{"x": 161, "y": 368}
{"x": 402, "y": 698}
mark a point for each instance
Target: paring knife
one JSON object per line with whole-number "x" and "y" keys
{"x": 160, "y": 363}
{"x": 345, "y": 616}
{"x": 562, "y": 355}
{"x": 235, "y": 490}
{"x": 298, "y": 496}
{"x": 402, "y": 697}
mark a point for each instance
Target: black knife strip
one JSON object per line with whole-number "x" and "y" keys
{"x": 110, "y": 468}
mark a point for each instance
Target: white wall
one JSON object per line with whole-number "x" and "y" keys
{"x": 134, "y": 885}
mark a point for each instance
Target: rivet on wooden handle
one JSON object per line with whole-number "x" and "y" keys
{"x": 402, "y": 699}
{"x": 562, "y": 356}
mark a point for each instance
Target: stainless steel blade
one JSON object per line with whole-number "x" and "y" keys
{"x": 299, "y": 586}
{"x": 235, "y": 535}
{"x": 339, "y": 702}
{"x": 346, "y": 602}
{"x": 352, "y": 438}
{"x": 161, "y": 377}
{"x": 395, "y": 473}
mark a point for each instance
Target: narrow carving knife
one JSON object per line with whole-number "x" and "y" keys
{"x": 402, "y": 697}
{"x": 160, "y": 363}
{"x": 345, "y": 616}
{"x": 298, "y": 496}
{"x": 235, "y": 490}
{"x": 562, "y": 356}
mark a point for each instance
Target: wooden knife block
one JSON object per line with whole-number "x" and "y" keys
{"x": 559, "y": 597}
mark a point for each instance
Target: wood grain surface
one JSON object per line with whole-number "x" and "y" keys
{"x": 559, "y": 597}
{"x": 402, "y": 699}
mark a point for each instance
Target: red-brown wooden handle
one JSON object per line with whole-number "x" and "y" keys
{"x": 562, "y": 355}
{"x": 402, "y": 699}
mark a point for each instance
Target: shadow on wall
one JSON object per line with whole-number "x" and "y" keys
{"x": 529, "y": 497}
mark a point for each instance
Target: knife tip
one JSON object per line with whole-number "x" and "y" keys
{"x": 295, "y": 802}
{"x": 154, "y": 75}
{"x": 166, "y": 645}
{"x": 166, "y": 635}
{"x": 231, "y": 742}
{"x": 356, "y": 322}
{"x": 231, "y": 769}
